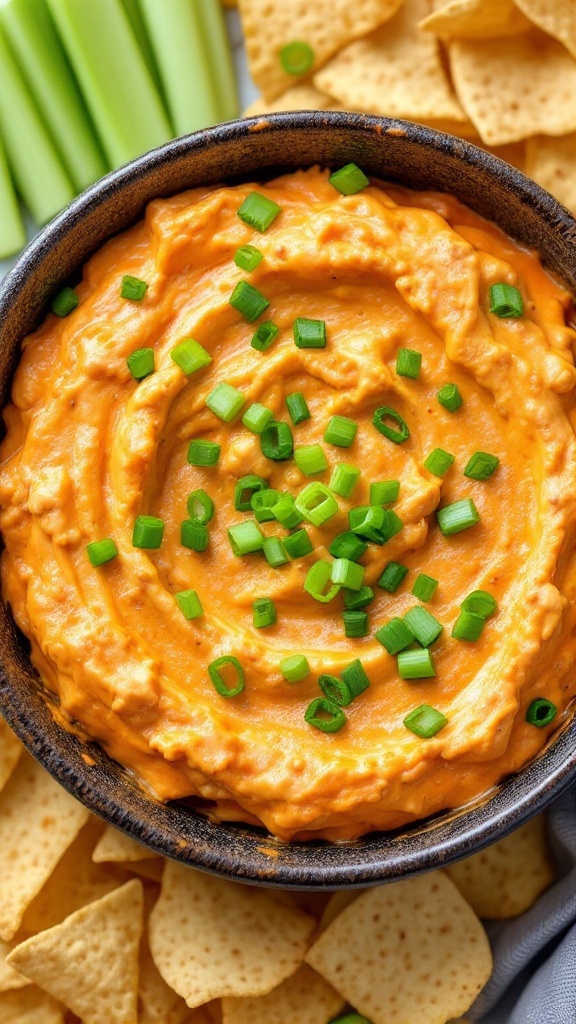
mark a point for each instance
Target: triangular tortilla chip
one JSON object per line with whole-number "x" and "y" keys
{"x": 336, "y": 904}
{"x": 90, "y": 961}
{"x": 300, "y": 97}
{"x": 512, "y": 94}
{"x": 158, "y": 1003}
{"x": 506, "y": 878}
{"x": 476, "y": 19}
{"x": 116, "y": 846}
{"x": 30, "y": 1006}
{"x": 325, "y": 25}
{"x": 38, "y": 821}
{"x": 556, "y": 17}
{"x": 249, "y": 943}
{"x": 396, "y": 71}
{"x": 9, "y": 978}
{"x": 552, "y": 163}
{"x": 305, "y": 998}
{"x": 406, "y": 952}
{"x": 10, "y": 750}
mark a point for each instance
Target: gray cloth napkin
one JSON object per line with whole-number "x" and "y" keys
{"x": 534, "y": 977}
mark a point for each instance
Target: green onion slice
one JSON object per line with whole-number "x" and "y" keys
{"x": 347, "y": 574}
{"x": 348, "y": 545}
{"x": 216, "y": 675}
{"x": 296, "y": 58}
{"x": 245, "y": 538}
{"x": 265, "y": 334}
{"x": 101, "y": 551}
{"x": 64, "y": 302}
{"x": 449, "y": 396}
{"x": 355, "y": 623}
{"x": 295, "y": 668}
{"x": 316, "y": 503}
{"x": 318, "y": 578}
{"x": 425, "y": 627}
{"x": 344, "y": 479}
{"x": 354, "y": 600}
{"x": 225, "y": 402}
{"x": 395, "y": 636}
{"x": 298, "y": 544}
{"x": 194, "y": 535}
{"x": 258, "y": 211}
{"x": 438, "y": 462}
{"x": 425, "y": 721}
{"x": 200, "y": 506}
{"x": 505, "y": 301}
{"x": 203, "y": 453}
{"x": 310, "y": 459}
{"x": 262, "y": 503}
{"x": 393, "y": 575}
{"x": 349, "y": 180}
{"x": 481, "y": 465}
{"x": 408, "y": 363}
{"x": 257, "y": 417}
{"x": 286, "y": 513}
{"x": 424, "y": 587}
{"x": 384, "y": 491}
{"x": 245, "y": 488}
{"x": 133, "y": 288}
{"x": 381, "y": 420}
{"x": 141, "y": 363}
{"x": 324, "y": 715}
{"x": 148, "y": 532}
{"x": 263, "y": 612}
{"x": 190, "y": 356}
{"x": 297, "y": 407}
{"x": 247, "y": 257}
{"x": 341, "y": 431}
{"x": 367, "y": 521}
{"x": 276, "y": 441}
{"x": 248, "y": 301}
{"x": 274, "y": 552}
{"x": 541, "y": 712}
{"x": 458, "y": 516}
{"x": 481, "y": 603}
{"x": 468, "y": 626}
{"x": 189, "y": 604}
{"x": 309, "y": 333}
{"x": 416, "y": 664}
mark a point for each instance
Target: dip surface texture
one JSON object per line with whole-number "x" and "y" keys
{"x": 89, "y": 448}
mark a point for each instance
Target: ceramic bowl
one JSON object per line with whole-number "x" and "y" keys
{"x": 258, "y": 148}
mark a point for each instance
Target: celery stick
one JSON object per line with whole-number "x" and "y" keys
{"x": 32, "y": 38}
{"x": 135, "y": 18}
{"x": 12, "y": 234}
{"x": 218, "y": 46}
{"x": 38, "y": 172}
{"x": 113, "y": 76}
{"x": 175, "y": 31}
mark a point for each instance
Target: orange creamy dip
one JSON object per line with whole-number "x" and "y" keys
{"x": 88, "y": 449}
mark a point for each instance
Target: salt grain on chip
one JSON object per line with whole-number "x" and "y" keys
{"x": 305, "y": 998}
{"x": 411, "y": 952}
{"x": 476, "y": 19}
{"x": 552, "y": 162}
{"x": 212, "y": 938}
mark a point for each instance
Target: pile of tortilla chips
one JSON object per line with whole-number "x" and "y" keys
{"x": 95, "y": 928}
{"x": 501, "y": 73}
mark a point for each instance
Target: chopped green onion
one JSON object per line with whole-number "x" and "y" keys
{"x": 257, "y": 417}
{"x": 425, "y": 721}
{"x": 286, "y": 513}
{"x": 295, "y": 668}
{"x": 190, "y": 356}
{"x": 248, "y": 301}
{"x": 148, "y": 532}
{"x": 258, "y": 211}
{"x": 200, "y": 506}
{"x": 203, "y": 453}
{"x": 298, "y": 544}
{"x": 367, "y": 521}
{"x": 438, "y": 462}
{"x": 391, "y": 526}
{"x": 133, "y": 288}
{"x": 296, "y": 58}
{"x": 276, "y": 441}
{"x": 297, "y": 407}
{"x": 355, "y": 623}
{"x": 541, "y": 712}
{"x": 505, "y": 300}
{"x": 214, "y": 671}
{"x": 344, "y": 479}
{"x": 460, "y": 515}
{"x": 408, "y": 363}
{"x": 354, "y": 600}
{"x": 317, "y": 580}
{"x": 468, "y": 626}
{"x": 352, "y": 683}
{"x": 481, "y": 603}
{"x": 189, "y": 604}
{"x": 247, "y": 257}
{"x": 245, "y": 538}
{"x": 263, "y": 612}
{"x": 335, "y": 689}
{"x": 425, "y": 627}
{"x": 309, "y": 333}
{"x": 64, "y": 302}
{"x": 225, "y": 402}
{"x": 310, "y": 459}
{"x": 355, "y": 677}
{"x": 347, "y": 574}
{"x": 340, "y": 431}
{"x": 383, "y": 492}
{"x": 416, "y": 664}
{"x": 395, "y": 635}
{"x": 481, "y": 465}
{"x": 449, "y": 396}
{"x": 348, "y": 545}
{"x": 380, "y": 421}
{"x": 424, "y": 587}
{"x": 349, "y": 180}
{"x": 194, "y": 535}
{"x": 245, "y": 488}
{"x": 264, "y": 336}
{"x": 316, "y": 503}
{"x": 393, "y": 575}
{"x": 324, "y": 715}
{"x": 262, "y": 503}
{"x": 352, "y": 1018}
{"x": 141, "y": 363}
{"x": 101, "y": 551}
{"x": 274, "y": 552}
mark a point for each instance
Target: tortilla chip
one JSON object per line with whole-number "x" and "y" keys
{"x": 299, "y": 97}
{"x": 406, "y": 953}
{"x": 552, "y": 163}
{"x": 152, "y": 870}
{"x": 116, "y": 846}
{"x": 476, "y": 19}
{"x": 9, "y": 978}
{"x": 38, "y": 821}
{"x": 30, "y": 1006}
{"x": 158, "y": 1004}
{"x": 336, "y": 904}
{"x": 556, "y": 17}
{"x": 305, "y": 998}
{"x": 509, "y": 99}
{"x": 211, "y": 938}
{"x": 507, "y": 878}
{"x": 10, "y": 750}
{"x": 90, "y": 961}
{"x": 326, "y": 25}
{"x": 397, "y": 71}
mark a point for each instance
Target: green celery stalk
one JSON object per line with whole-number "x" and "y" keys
{"x": 221, "y": 63}
{"x": 32, "y": 38}
{"x": 12, "y": 234}
{"x": 113, "y": 76}
{"x": 38, "y": 172}
{"x": 139, "y": 29}
{"x": 175, "y": 31}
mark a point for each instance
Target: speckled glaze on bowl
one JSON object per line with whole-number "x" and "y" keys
{"x": 254, "y": 149}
